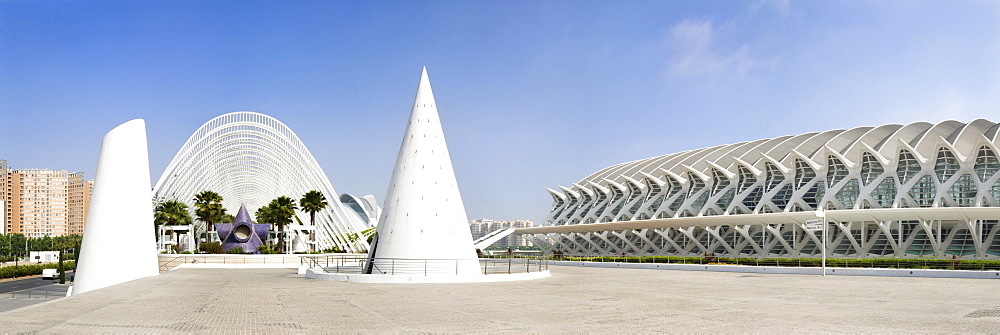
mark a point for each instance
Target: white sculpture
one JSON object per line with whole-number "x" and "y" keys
{"x": 423, "y": 228}
{"x": 118, "y": 241}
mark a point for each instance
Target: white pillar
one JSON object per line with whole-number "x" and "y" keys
{"x": 118, "y": 244}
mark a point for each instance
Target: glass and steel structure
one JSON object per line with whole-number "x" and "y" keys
{"x": 907, "y": 191}
{"x": 251, "y": 158}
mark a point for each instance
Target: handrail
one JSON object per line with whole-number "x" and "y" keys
{"x": 392, "y": 266}
{"x": 171, "y": 264}
{"x": 42, "y": 288}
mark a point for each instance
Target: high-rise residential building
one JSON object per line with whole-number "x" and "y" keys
{"x": 43, "y": 202}
{"x": 482, "y": 227}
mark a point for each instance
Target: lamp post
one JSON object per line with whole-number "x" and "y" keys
{"x": 817, "y": 224}
{"x": 822, "y": 213}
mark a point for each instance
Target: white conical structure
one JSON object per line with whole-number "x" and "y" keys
{"x": 423, "y": 217}
{"x": 118, "y": 241}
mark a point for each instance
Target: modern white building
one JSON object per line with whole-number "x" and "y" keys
{"x": 920, "y": 190}
{"x": 251, "y": 158}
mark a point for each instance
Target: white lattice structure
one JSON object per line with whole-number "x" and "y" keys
{"x": 920, "y": 190}
{"x": 250, "y": 158}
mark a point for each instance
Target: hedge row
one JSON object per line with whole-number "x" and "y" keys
{"x": 947, "y": 264}
{"x": 31, "y": 269}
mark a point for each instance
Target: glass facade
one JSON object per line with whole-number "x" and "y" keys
{"x": 987, "y": 164}
{"x": 946, "y": 164}
{"x": 835, "y": 170}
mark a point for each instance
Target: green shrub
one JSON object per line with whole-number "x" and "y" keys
{"x": 268, "y": 249}
{"x": 211, "y": 247}
{"x": 236, "y": 250}
{"x": 31, "y": 269}
{"x": 905, "y": 263}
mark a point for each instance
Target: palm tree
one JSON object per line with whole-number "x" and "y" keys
{"x": 280, "y": 211}
{"x": 170, "y": 213}
{"x": 312, "y": 202}
{"x": 209, "y": 208}
{"x": 263, "y": 215}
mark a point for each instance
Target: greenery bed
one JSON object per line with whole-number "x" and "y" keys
{"x": 30, "y": 269}
{"x": 945, "y": 264}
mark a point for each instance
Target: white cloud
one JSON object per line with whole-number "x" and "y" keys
{"x": 698, "y": 54}
{"x": 953, "y": 105}
{"x": 782, "y": 7}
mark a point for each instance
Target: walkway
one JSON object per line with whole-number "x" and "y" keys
{"x": 574, "y": 299}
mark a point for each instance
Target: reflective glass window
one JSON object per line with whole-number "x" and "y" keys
{"x": 963, "y": 191}
{"x": 871, "y": 168}
{"x": 803, "y": 173}
{"x": 885, "y": 192}
{"x": 835, "y": 171}
{"x": 814, "y": 195}
{"x": 747, "y": 179}
{"x": 752, "y": 198}
{"x": 923, "y": 191}
{"x": 995, "y": 191}
{"x": 696, "y": 184}
{"x": 848, "y": 194}
{"x": 908, "y": 167}
{"x": 699, "y": 202}
{"x": 946, "y": 164}
{"x": 719, "y": 180}
{"x": 986, "y": 163}
{"x": 774, "y": 177}
{"x": 781, "y": 197}
{"x": 726, "y": 199}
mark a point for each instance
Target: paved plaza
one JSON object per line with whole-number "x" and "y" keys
{"x": 574, "y": 299}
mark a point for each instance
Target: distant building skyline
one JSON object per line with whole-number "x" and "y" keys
{"x": 482, "y": 226}
{"x": 43, "y": 202}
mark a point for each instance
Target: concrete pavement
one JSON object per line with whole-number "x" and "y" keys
{"x": 574, "y": 299}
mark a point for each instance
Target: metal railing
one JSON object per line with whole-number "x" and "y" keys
{"x": 873, "y": 263}
{"x": 357, "y": 264}
{"x": 42, "y": 292}
{"x": 170, "y": 261}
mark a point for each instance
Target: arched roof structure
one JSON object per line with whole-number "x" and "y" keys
{"x": 249, "y": 159}
{"x": 707, "y": 181}
{"x": 876, "y": 184}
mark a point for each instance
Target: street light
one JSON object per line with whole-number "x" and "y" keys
{"x": 822, "y": 213}
{"x": 814, "y": 225}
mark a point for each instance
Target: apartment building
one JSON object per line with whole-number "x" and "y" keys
{"x": 482, "y": 227}
{"x": 43, "y": 202}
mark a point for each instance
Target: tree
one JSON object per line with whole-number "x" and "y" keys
{"x": 279, "y": 212}
{"x": 209, "y": 208}
{"x": 312, "y": 202}
{"x": 171, "y": 213}
{"x": 64, "y": 243}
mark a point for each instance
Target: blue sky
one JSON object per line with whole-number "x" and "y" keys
{"x": 532, "y": 94}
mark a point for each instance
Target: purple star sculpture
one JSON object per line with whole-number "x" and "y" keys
{"x": 242, "y": 233}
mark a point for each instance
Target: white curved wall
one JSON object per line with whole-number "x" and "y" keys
{"x": 118, "y": 244}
